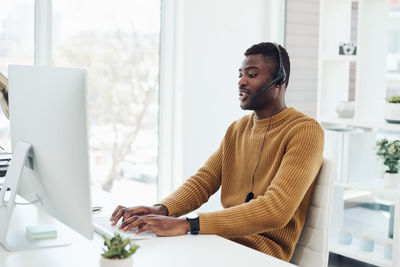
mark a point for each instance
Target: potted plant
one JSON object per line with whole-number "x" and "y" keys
{"x": 392, "y": 109}
{"x": 390, "y": 153}
{"x": 118, "y": 253}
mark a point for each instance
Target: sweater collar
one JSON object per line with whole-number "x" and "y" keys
{"x": 275, "y": 119}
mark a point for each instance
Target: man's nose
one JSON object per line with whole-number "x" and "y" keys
{"x": 242, "y": 82}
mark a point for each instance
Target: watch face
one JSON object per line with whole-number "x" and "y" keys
{"x": 192, "y": 215}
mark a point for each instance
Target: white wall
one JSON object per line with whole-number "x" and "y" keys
{"x": 302, "y": 22}
{"x": 212, "y": 36}
{"x": 215, "y": 36}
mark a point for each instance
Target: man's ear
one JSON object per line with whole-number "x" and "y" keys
{"x": 277, "y": 90}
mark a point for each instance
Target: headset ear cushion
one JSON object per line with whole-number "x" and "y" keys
{"x": 282, "y": 77}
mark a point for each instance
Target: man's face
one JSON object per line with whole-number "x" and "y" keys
{"x": 254, "y": 75}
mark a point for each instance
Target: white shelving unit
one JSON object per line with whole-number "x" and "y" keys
{"x": 340, "y": 58}
{"x": 379, "y": 124}
{"x": 352, "y": 251}
{"x": 370, "y": 92}
{"x": 376, "y": 257}
{"x": 334, "y": 69}
{"x": 374, "y": 185}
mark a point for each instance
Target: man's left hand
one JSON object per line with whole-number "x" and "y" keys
{"x": 160, "y": 225}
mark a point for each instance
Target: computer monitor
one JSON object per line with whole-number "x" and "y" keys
{"x": 50, "y": 165}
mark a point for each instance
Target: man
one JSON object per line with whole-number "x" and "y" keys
{"x": 266, "y": 167}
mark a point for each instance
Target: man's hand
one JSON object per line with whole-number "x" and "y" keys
{"x": 126, "y": 213}
{"x": 160, "y": 225}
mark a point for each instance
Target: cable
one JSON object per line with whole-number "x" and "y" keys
{"x": 259, "y": 154}
{"x": 250, "y": 195}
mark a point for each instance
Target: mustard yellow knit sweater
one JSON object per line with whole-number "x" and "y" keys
{"x": 284, "y": 181}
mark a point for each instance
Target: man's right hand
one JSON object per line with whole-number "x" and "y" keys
{"x": 126, "y": 213}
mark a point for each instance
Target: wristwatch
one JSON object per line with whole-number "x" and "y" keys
{"x": 193, "y": 219}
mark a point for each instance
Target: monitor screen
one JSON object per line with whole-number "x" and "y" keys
{"x": 48, "y": 112}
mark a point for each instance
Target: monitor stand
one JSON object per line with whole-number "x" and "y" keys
{"x": 18, "y": 240}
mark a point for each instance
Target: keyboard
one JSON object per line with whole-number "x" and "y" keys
{"x": 102, "y": 225}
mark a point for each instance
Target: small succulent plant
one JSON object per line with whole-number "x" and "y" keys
{"x": 393, "y": 99}
{"x": 118, "y": 247}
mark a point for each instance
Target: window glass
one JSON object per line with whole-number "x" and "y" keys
{"x": 16, "y": 46}
{"x": 117, "y": 42}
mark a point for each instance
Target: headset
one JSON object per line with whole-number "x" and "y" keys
{"x": 280, "y": 78}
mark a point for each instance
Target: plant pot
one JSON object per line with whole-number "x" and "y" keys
{"x": 392, "y": 112}
{"x": 127, "y": 262}
{"x": 345, "y": 109}
{"x": 391, "y": 180}
{"x": 380, "y": 168}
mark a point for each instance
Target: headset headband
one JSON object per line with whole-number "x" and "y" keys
{"x": 280, "y": 73}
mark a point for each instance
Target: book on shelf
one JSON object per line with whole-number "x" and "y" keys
{"x": 2, "y": 178}
{"x": 3, "y": 167}
{"x": 3, "y": 171}
{"x": 5, "y": 158}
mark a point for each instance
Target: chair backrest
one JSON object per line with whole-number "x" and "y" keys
{"x": 312, "y": 248}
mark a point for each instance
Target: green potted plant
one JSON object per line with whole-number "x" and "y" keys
{"x": 118, "y": 252}
{"x": 392, "y": 109}
{"x": 390, "y": 153}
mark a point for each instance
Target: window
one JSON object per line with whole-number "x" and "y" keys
{"x": 16, "y": 46}
{"x": 117, "y": 42}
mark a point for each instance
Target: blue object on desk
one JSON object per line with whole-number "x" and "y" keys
{"x": 44, "y": 231}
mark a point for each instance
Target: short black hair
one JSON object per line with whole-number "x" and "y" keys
{"x": 269, "y": 52}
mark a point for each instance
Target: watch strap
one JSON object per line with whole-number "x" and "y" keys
{"x": 194, "y": 225}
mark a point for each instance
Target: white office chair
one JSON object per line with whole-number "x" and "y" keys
{"x": 312, "y": 250}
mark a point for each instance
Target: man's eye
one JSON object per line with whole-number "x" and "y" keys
{"x": 240, "y": 75}
{"x": 252, "y": 75}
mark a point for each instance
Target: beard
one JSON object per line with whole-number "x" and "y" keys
{"x": 259, "y": 102}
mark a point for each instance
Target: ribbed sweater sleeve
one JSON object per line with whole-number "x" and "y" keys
{"x": 273, "y": 210}
{"x": 197, "y": 189}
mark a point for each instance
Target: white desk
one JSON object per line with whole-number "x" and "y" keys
{"x": 201, "y": 250}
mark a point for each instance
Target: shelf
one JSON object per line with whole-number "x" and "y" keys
{"x": 372, "y": 185}
{"x": 366, "y": 22}
{"x": 363, "y": 124}
{"x": 374, "y": 257}
{"x": 340, "y": 58}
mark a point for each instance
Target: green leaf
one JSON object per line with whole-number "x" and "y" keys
{"x": 393, "y": 99}
{"x": 390, "y": 153}
{"x": 118, "y": 247}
